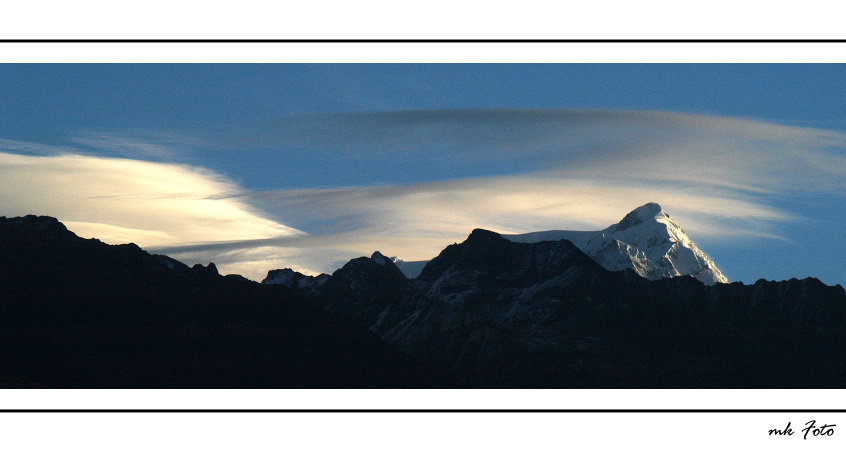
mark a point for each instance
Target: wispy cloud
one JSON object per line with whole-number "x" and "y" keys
{"x": 123, "y": 200}
{"x": 136, "y": 144}
{"x": 724, "y": 179}
{"x": 472, "y": 143}
{"x": 416, "y": 221}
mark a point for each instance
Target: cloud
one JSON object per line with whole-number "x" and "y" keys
{"x": 417, "y": 221}
{"x": 446, "y": 138}
{"x": 137, "y": 144}
{"x": 25, "y": 148}
{"x": 395, "y": 147}
{"x": 726, "y": 180}
{"x": 123, "y": 200}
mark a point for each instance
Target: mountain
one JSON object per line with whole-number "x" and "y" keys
{"x": 290, "y": 278}
{"x": 496, "y": 313}
{"x": 77, "y": 313}
{"x": 485, "y": 313}
{"x": 646, "y": 240}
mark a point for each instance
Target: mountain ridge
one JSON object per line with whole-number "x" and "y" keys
{"x": 486, "y": 313}
{"x": 646, "y": 240}
{"x": 501, "y": 314}
{"x": 78, "y": 313}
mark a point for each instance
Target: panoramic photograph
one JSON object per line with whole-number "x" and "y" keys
{"x": 444, "y": 226}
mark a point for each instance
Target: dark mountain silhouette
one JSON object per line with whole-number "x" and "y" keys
{"x": 487, "y": 312}
{"x": 504, "y": 314}
{"x": 77, "y": 313}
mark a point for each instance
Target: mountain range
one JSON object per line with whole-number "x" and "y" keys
{"x": 78, "y": 313}
{"x": 489, "y": 312}
{"x": 646, "y": 240}
{"x": 543, "y": 313}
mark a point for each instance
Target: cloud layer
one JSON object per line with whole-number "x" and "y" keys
{"x": 726, "y": 180}
{"x": 471, "y": 143}
{"x": 123, "y": 200}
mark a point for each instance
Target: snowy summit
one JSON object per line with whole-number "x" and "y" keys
{"x": 646, "y": 240}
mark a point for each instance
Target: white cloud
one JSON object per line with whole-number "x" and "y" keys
{"x": 122, "y": 200}
{"x": 416, "y": 222}
{"x": 723, "y": 179}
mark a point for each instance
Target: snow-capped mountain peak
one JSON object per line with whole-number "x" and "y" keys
{"x": 646, "y": 240}
{"x": 649, "y": 229}
{"x": 643, "y": 213}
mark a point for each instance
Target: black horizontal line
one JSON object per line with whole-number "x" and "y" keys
{"x": 433, "y": 411}
{"x": 421, "y": 41}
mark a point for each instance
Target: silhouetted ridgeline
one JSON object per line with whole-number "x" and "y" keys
{"x": 487, "y": 312}
{"x": 506, "y": 314}
{"x": 77, "y": 313}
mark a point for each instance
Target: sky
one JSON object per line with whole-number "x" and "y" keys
{"x": 259, "y": 167}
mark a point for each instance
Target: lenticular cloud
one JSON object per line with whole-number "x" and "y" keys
{"x": 513, "y": 172}
{"x": 122, "y": 200}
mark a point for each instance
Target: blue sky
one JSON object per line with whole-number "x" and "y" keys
{"x": 258, "y": 167}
